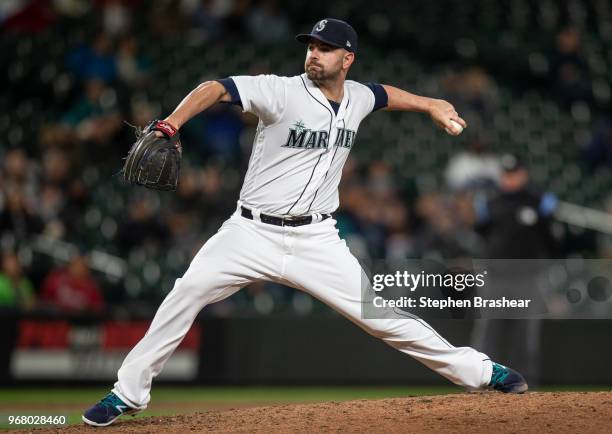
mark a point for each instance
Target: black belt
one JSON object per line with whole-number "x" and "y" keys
{"x": 282, "y": 221}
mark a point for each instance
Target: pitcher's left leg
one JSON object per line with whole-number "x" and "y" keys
{"x": 322, "y": 265}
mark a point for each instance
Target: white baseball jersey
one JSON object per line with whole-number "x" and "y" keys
{"x": 301, "y": 143}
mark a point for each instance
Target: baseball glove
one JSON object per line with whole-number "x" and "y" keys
{"x": 155, "y": 159}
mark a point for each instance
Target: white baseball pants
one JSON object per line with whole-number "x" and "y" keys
{"x": 311, "y": 258}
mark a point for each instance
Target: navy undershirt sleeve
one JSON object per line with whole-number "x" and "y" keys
{"x": 230, "y": 86}
{"x": 381, "y": 99}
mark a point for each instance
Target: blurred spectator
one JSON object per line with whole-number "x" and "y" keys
{"x": 220, "y": 130}
{"x": 207, "y": 16}
{"x": 72, "y": 289}
{"x": 372, "y": 195}
{"x": 186, "y": 233}
{"x": 188, "y": 195}
{"x": 94, "y": 119}
{"x": 142, "y": 112}
{"x": 116, "y": 17}
{"x": 50, "y": 209}
{"x": 268, "y": 23}
{"x": 56, "y": 168}
{"x": 142, "y": 227}
{"x": 132, "y": 66}
{"x": 598, "y": 153}
{"x": 473, "y": 169}
{"x": 380, "y": 179}
{"x": 18, "y": 172}
{"x": 365, "y": 211}
{"x": 516, "y": 223}
{"x": 443, "y": 233}
{"x": 399, "y": 243}
{"x": 214, "y": 186}
{"x": 77, "y": 197}
{"x": 472, "y": 90}
{"x": 18, "y": 219}
{"x": 94, "y": 62}
{"x": 16, "y": 290}
{"x": 353, "y": 198}
{"x": 571, "y": 72}
{"x": 166, "y": 19}
{"x": 371, "y": 217}
{"x": 15, "y": 167}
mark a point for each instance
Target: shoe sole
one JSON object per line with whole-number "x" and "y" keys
{"x": 92, "y": 423}
{"x": 518, "y": 388}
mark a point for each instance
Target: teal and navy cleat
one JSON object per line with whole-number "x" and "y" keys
{"x": 107, "y": 411}
{"x": 506, "y": 380}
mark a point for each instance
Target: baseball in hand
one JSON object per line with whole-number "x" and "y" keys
{"x": 456, "y": 128}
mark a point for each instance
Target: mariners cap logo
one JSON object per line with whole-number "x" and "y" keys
{"x": 337, "y": 33}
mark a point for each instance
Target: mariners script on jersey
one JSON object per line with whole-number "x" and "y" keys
{"x": 301, "y": 143}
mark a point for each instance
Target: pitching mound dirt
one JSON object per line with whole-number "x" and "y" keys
{"x": 483, "y": 412}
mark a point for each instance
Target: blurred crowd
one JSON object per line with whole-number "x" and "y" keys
{"x": 64, "y": 188}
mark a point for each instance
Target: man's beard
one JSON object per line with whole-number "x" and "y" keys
{"x": 320, "y": 74}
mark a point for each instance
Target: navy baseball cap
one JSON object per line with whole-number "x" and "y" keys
{"x": 336, "y": 33}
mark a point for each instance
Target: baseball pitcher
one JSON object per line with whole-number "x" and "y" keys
{"x": 283, "y": 229}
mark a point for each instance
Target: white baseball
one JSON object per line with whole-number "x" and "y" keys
{"x": 456, "y": 130}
